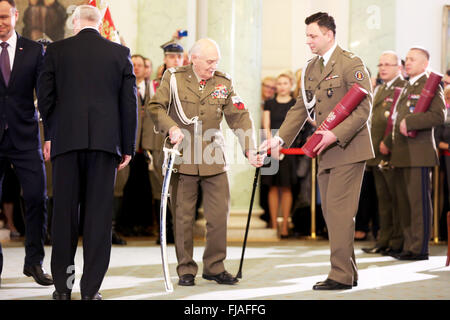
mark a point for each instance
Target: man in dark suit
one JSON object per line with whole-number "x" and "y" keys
{"x": 20, "y": 64}
{"x": 88, "y": 101}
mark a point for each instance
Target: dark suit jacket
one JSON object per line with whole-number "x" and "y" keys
{"x": 17, "y": 100}
{"x": 87, "y": 95}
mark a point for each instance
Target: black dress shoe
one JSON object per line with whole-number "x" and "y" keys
{"x": 412, "y": 256}
{"x": 221, "y": 278}
{"x": 329, "y": 284}
{"x": 96, "y": 296}
{"x": 373, "y": 250}
{"x": 116, "y": 239}
{"x": 186, "y": 280}
{"x": 39, "y": 274}
{"x": 391, "y": 252}
{"x": 61, "y": 296}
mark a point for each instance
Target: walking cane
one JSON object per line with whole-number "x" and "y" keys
{"x": 255, "y": 182}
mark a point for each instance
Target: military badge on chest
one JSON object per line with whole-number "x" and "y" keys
{"x": 412, "y": 100}
{"x": 220, "y": 92}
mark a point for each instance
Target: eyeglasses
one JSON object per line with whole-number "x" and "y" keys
{"x": 269, "y": 87}
{"x": 386, "y": 65}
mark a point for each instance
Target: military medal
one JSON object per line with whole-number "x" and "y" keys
{"x": 386, "y": 114}
{"x": 220, "y": 92}
{"x": 408, "y": 103}
{"x": 384, "y": 104}
{"x": 202, "y": 85}
{"x": 330, "y": 92}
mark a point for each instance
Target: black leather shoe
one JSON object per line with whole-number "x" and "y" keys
{"x": 412, "y": 256}
{"x": 39, "y": 274}
{"x": 61, "y": 296}
{"x": 329, "y": 284}
{"x": 96, "y": 296}
{"x": 391, "y": 252}
{"x": 355, "y": 283}
{"x": 186, "y": 280}
{"x": 373, "y": 250}
{"x": 222, "y": 278}
{"x": 116, "y": 239}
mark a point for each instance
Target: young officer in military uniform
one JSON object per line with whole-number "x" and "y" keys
{"x": 413, "y": 158}
{"x": 390, "y": 234}
{"x": 189, "y": 106}
{"x": 343, "y": 151}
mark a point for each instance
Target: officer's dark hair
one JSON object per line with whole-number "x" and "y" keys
{"x": 448, "y": 72}
{"x": 11, "y": 2}
{"x": 323, "y": 20}
{"x": 136, "y": 56}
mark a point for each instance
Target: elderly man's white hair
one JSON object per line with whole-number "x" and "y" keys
{"x": 88, "y": 13}
{"x": 199, "y": 45}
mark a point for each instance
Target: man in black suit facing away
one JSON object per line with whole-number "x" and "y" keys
{"x": 87, "y": 99}
{"x": 20, "y": 64}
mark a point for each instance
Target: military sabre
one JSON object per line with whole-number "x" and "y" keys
{"x": 169, "y": 158}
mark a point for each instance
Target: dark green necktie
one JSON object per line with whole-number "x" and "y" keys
{"x": 321, "y": 64}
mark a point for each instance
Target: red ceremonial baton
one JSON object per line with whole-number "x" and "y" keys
{"x": 341, "y": 111}
{"x": 427, "y": 94}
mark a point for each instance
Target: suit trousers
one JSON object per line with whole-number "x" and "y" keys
{"x": 216, "y": 205}
{"x": 30, "y": 170}
{"x": 413, "y": 190}
{"x": 340, "y": 190}
{"x": 391, "y": 234}
{"x": 85, "y": 179}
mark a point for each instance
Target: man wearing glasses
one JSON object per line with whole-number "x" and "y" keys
{"x": 390, "y": 237}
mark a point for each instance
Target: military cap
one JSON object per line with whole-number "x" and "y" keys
{"x": 172, "y": 47}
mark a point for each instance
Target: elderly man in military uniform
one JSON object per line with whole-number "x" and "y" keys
{"x": 343, "y": 151}
{"x": 413, "y": 158}
{"x": 189, "y": 106}
{"x": 390, "y": 238}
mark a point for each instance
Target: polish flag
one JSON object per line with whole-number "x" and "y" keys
{"x": 108, "y": 29}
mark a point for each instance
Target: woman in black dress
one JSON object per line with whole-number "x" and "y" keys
{"x": 280, "y": 183}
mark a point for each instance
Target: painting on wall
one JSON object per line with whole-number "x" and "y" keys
{"x": 446, "y": 39}
{"x": 45, "y": 18}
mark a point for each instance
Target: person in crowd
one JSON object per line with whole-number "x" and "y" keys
{"x": 414, "y": 158}
{"x": 280, "y": 183}
{"x": 342, "y": 151}
{"x": 268, "y": 88}
{"x": 148, "y": 69}
{"x": 74, "y": 93}
{"x": 447, "y": 78}
{"x": 207, "y": 95}
{"x": 19, "y": 134}
{"x": 390, "y": 237}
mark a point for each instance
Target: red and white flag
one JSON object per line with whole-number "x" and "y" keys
{"x": 108, "y": 29}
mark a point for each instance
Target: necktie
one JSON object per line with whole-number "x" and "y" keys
{"x": 202, "y": 85}
{"x": 321, "y": 64}
{"x": 4, "y": 62}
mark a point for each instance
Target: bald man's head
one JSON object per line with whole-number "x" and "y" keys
{"x": 205, "y": 56}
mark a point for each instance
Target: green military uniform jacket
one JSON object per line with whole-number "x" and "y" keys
{"x": 216, "y": 101}
{"x": 382, "y": 103}
{"x": 421, "y": 150}
{"x": 341, "y": 72}
{"x": 146, "y": 137}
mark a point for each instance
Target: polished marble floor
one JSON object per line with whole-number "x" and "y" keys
{"x": 280, "y": 270}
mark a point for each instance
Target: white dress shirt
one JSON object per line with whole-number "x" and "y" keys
{"x": 12, "y": 44}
